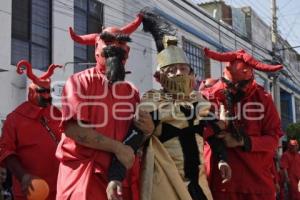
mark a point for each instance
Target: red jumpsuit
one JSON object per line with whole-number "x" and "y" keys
{"x": 291, "y": 162}
{"x": 82, "y": 170}
{"x": 24, "y": 136}
{"x": 251, "y": 171}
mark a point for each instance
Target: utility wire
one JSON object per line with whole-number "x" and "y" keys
{"x": 285, "y": 5}
{"x": 70, "y": 8}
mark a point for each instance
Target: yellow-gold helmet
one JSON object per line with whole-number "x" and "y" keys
{"x": 172, "y": 54}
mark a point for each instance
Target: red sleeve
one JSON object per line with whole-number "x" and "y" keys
{"x": 268, "y": 139}
{"x": 74, "y": 101}
{"x": 8, "y": 139}
{"x": 284, "y": 161}
{"x": 264, "y": 143}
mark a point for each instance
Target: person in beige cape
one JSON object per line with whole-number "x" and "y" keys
{"x": 173, "y": 165}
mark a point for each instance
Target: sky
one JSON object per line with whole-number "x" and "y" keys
{"x": 288, "y": 14}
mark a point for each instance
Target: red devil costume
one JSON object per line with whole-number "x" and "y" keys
{"x": 254, "y": 128}
{"x": 93, "y": 96}
{"x": 290, "y": 162}
{"x": 30, "y": 135}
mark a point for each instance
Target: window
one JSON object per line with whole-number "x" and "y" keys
{"x": 88, "y": 19}
{"x": 31, "y": 32}
{"x": 297, "y": 105}
{"x": 195, "y": 55}
{"x": 286, "y": 108}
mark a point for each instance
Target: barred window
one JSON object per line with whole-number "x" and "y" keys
{"x": 297, "y": 102}
{"x": 286, "y": 109}
{"x": 88, "y": 18}
{"x": 31, "y": 32}
{"x": 195, "y": 55}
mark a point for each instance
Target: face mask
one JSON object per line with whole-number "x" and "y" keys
{"x": 239, "y": 85}
{"x": 235, "y": 91}
{"x": 181, "y": 84}
{"x": 114, "y": 61}
{"x": 39, "y": 96}
{"x": 44, "y": 102}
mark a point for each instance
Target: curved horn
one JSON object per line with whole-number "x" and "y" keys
{"x": 50, "y": 71}
{"x": 131, "y": 27}
{"x": 222, "y": 57}
{"x": 259, "y": 65}
{"x": 30, "y": 75}
{"x": 88, "y": 39}
{"x": 267, "y": 68}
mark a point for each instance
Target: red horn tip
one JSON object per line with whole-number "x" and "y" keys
{"x": 88, "y": 39}
{"x": 131, "y": 27}
{"x": 50, "y": 71}
{"x": 72, "y": 33}
{"x": 22, "y": 63}
{"x": 29, "y": 72}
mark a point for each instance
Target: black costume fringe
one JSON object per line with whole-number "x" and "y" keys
{"x": 157, "y": 27}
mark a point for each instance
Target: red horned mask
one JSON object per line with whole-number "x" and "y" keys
{"x": 241, "y": 64}
{"x": 39, "y": 90}
{"x": 113, "y": 36}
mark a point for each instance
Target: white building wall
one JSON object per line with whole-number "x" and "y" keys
{"x": 12, "y": 86}
{"x": 5, "y": 34}
{"x": 261, "y": 33}
{"x": 239, "y": 21}
{"x": 142, "y": 57}
{"x": 62, "y": 45}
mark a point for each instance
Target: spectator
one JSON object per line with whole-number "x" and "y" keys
{"x": 290, "y": 162}
{"x": 30, "y": 136}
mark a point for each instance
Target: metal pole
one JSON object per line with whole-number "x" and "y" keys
{"x": 275, "y": 88}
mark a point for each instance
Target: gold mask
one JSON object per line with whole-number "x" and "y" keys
{"x": 182, "y": 84}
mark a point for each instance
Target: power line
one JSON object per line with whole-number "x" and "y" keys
{"x": 291, "y": 27}
{"x": 71, "y": 15}
{"x": 291, "y": 14}
{"x": 297, "y": 83}
{"x": 287, "y": 26}
{"x": 285, "y": 5}
{"x": 261, "y": 12}
{"x": 213, "y": 28}
{"x": 118, "y": 19}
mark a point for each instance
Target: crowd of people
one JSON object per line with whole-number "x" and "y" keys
{"x": 217, "y": 141}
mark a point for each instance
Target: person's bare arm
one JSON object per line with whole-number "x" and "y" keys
{"x": 14, "y": 165}
{"x": 89, "y": 137}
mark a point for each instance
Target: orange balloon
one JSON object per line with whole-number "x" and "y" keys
{"x": 40, "y": 190}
